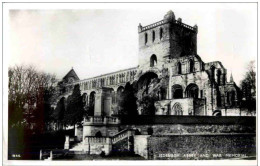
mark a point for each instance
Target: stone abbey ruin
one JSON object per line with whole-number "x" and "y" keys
{"x": 189, "y": 97}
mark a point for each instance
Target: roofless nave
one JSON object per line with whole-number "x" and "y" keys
{"x": 169, "y": 70}
{"x": 168, "y": 66}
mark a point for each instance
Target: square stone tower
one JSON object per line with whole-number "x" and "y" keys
{"x": 166, "y": 39}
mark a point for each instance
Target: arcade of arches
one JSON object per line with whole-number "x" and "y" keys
{"x": 150, "y": 85}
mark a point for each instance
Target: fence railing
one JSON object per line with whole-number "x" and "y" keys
{"x": 109, "y": 140}
{"x": 185, "y": 25}
{"x": 163, "y": 22}
{"x": 153, "y": 25}
{"x": 112, "y": 120}
{"x": 101, "y": 120}
{"x": 119, "y": 136}
{"x": 99, "y": 140}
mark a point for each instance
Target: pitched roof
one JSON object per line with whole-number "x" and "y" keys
{"x": 231, "y": 78}
{"x": 71, "y": 73}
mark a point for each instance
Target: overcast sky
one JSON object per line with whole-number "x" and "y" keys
{"x": 98, "y": 41}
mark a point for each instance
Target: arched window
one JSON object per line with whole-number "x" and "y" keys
{"x": 86, "y": 85}
{"x": 161, "y": 33}
{"x": 177, "y": 109}
{"x": 212, "y": 68}
{"x": 102, "y": 82}
{"x": 145, "y": 38}
{"x": 228, "y": 99}
{"x": 153, "y": 61}
{"x": 94, "y": 84}
{"x": 177, "y": 92}
{"x": 85, "y": 99}
{"x": 224, "y": 79}
{"x": 91, "y": 103}
{"x": 162, "y": 93}
{"x": 92, "y": 98}
{"x": 233, "y": 98}
{"x": 191, "y": 66}
{"x": 179, "y": 67}
{"x": 192, "y": 91}
{"x": 119, "y": 93}
{"x": 219, "y": 102}
{"x": 153, "y": 36}
{"x": 113, "y": 94}
{"x": 219, "y": 76}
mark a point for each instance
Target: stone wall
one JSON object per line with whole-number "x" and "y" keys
{"x": 79, "y": 133}
{"x": 186, "y": 104}
{"x": 162, "y": 107}
{"x": 199, "y": 106}
{"x": 158, "y": 47}
{"x": 189, "y": 106}
{"x": 201, "y": 147}
{"x": 183, "y": 40}
{"x": 237, "y": 112}
{"x": 164, "y": 119}
{"x": 195, "y": 137}
{"x": 168, "y": 129}
{"x": 172, "y": 42}
{"x": 99, "y": 148}
{"x": 105, "y": 130}
{"x": 96, "y": 145}
{"x": 141, "y": 145}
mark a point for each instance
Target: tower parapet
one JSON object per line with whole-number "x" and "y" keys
{"x": 168, "y": 38}
{"x": 164, "y": 21}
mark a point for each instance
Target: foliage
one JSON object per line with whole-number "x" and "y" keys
{"x": 58, "y": 114}
{"x": 89, "y": 110}
{"x": 75, "y": 108}
{"x": 29, "y": 93}
{"x": 127, "y": 102}
{"x": 248, "y": 86}
{"x": 147, "y": 104}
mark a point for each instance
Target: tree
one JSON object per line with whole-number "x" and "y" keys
{"x": 127, "y": 102}
{"x": 58, "y": 114}
{"x": 248, "y": 86}
{"x": 89, "y": 111}
{"x": 75, "y": 108}
{"x": 29, "y": 93}
{"x": 147, "y": 104}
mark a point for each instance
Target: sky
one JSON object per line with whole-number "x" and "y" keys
{"x": 99, "y": 40}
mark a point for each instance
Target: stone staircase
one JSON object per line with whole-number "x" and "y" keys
{"x": 80, "y": 148}
{"x": 50, "y": 154}
{"x": 120, "y": 136}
